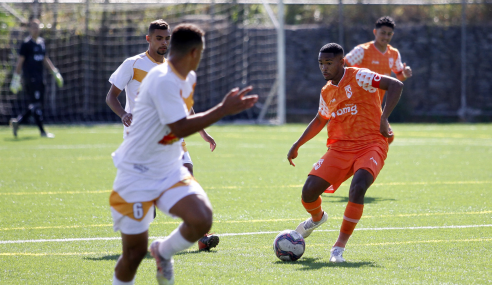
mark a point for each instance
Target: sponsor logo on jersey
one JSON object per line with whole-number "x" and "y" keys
{"x": 349, "y": 109}
{"x": 38, "y": 57}
{"x": 391, "y": 61}
{"x": 375, "y": 62}
{"x": 317, "y": 165}
{"x": 348, "y": 90}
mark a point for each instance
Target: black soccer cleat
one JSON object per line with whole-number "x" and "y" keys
{"x": 207, "y": 242}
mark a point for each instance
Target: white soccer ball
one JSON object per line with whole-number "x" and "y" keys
{"x": 289, "y": 245}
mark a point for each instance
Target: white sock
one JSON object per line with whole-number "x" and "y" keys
{"x": 174, "y": 243}
{"x": 118, "y": 282}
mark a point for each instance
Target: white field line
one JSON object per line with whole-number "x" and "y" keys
{"x": 245, "y": 234}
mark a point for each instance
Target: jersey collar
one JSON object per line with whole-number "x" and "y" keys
{"x": 341, "y": 79}
{"x": 374, "y": 46}
{"x": 151, "y": 59}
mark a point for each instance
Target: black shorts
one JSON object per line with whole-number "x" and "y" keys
{"x": 35, "y": 92}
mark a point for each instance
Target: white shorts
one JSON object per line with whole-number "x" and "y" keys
{"x": 186, "y": 158}
{"x": 133, "y": 198}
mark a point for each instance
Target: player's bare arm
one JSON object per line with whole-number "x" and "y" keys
{"x": 234, "y": 102}
{"x": 115, "y": 105}
{"x": 205, "y": 136}
{"x": 394, "y": 88}
{"x": 316, "y": 125}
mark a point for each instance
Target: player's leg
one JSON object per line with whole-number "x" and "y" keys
{"x": 132, "y": 219}
{"x": 311, "y": 200}
{"x": 191, "y": 204}
{"x": 208, "y": 241}
{"x": 134, "y": 251}
{"x": 37, "y": 109}
{"x": 326, "y": 170}
{"x": 367, "y": 166}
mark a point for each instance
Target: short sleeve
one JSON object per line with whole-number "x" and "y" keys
{"x": 122, "y": 76}
{"x": 323, "y": 110}
{"x": 24, "y": 50}
{"x": 355, "y": 56}
{"x": 398, "y": 67}
{"x": 168, "y": 102}
{"x": 368, "y": 80}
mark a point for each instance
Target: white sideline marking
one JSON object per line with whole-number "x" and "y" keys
{"x": 245, "y": 234}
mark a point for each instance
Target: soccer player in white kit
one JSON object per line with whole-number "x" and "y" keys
{"x": 150, "y": 170}
{"x": 129, "y": 76}
{"x": 133, "y": 70}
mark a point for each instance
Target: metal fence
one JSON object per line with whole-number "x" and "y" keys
{"x": 447, "y": 44}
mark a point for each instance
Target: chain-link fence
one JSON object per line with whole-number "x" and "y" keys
{"x": 87, "y": 40}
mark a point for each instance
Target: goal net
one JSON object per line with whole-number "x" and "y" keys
{"x": 88, "y": 40}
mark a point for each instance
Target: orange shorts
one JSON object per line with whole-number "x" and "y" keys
{"x": 338, "y": 166}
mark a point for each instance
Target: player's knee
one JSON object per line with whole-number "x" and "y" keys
{"x": 357, "y": 192}
{"x": 201, "y": 221}
{"x": 312, "y": 189}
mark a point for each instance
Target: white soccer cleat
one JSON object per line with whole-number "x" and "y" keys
{"x": 307, "y": 227}
{"x": 165, "y": 267}
{"x": 337, "y": 254}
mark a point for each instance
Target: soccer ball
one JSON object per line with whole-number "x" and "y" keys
{"x": 289, "y": 245}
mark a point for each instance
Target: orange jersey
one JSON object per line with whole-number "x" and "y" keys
{"x": 353, "y": 109}
{"x": 368, "y": 56}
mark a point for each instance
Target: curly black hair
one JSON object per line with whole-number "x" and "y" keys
{"x": 385, "y": 21}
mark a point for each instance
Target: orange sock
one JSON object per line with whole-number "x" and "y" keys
{"x": 314, "y": 208}
{"x": 352, "y": 215}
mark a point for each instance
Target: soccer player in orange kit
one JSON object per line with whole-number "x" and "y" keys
{"x": 358, "y": 133}
{"x": 379, "y": 56}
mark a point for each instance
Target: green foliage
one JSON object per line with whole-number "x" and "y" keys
{"x": 435, "y": 176}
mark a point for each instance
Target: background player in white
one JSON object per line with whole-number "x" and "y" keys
{"x": 129, "y": 76}
{"x": 133, "y": 70}
{"x": 150, "y": 171}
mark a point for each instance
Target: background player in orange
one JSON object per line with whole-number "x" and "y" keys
{"x": 378, "y": 55}
{"x": 357, "y": 140}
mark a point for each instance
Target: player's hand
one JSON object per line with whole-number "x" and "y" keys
{"x": 407, "y": 71}
{"x": 58, "y": 78}
{"x": 126, "y": 119}
{"x": 235, "y": 101}
{"x": 15, "y": 84}
{"x": 385, "y": 128}
{"x": 292, "y": 154}
{"x": 206, "y": 137}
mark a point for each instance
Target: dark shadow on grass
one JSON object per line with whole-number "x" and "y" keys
{"x": 310, "y": 263}
{"x": 195, "y": 252}
{"x": 148, "y": 256}
{"x": 28, "y": 138}
{"x": 112, "y": 257}
{"x": 339, "y": 199}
